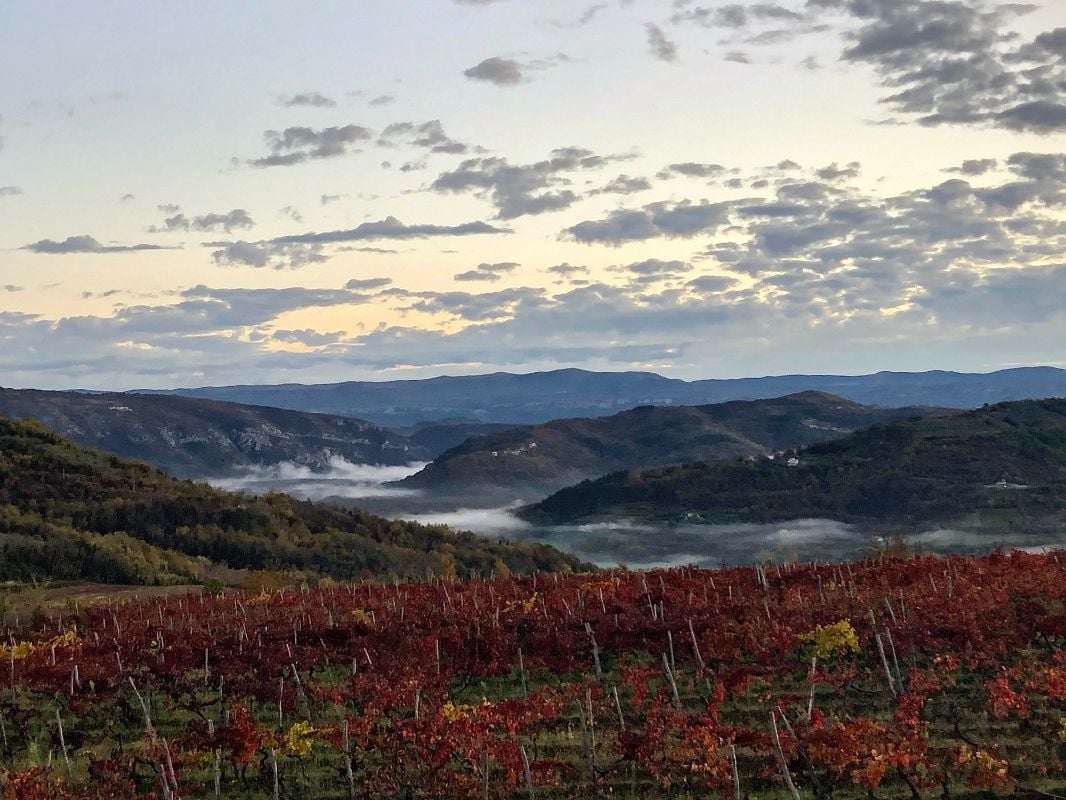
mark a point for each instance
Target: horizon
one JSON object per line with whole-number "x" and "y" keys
{"x": 404, "y": 190}
{"x": 174, "y": 389}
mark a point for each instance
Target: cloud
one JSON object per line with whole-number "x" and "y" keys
{"x": 487, "y": 272}
{"x": 974, "y": 166}
{"x": 959, "y": 63}
{"x": 671, "y": 220}
{"x": 655, "y": 266}
{"x": 307, "y": 336}
{"x": 314, "y": 99}
{"x": 274, "y": 255}
{"x": 811, "y": 267}
{"x": 297, "y": 145}
{"x": 428, "y": 135}
{"x": 238, "y": 218}
{"x": 382, "y": 100}
{"x": 518, "y": 190}
{"x": 507, "y": 72}
{"x": 475, "y": 307}
{"x": 585, "y": 18}
{"x": 567, "y": 270}
{"x": 624, "y": 184}
{"x": 390, "y": 228}
{"x": 363, "y": 284}
{"x": 497, "y": 70}
{"x": 835, "y": 172}
{"x": 734, "y": 15}
{"x": 691, "y": 169}
{"x": 85, "y": 244}
{"x": 12, "y": 288}
{"x": 659, "y": 45}
{"x": 9, "y": 191}
{"x": 939, "y": 62}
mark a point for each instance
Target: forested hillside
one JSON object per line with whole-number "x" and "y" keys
{"x": 547, "y": 457}
{"x": 77, "y": 514}
{"x": 193, "y": 438}
{"x": 1002, "y": 465}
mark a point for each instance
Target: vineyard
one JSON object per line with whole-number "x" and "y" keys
{"x": 895, "y": 677}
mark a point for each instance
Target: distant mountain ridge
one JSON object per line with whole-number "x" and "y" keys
{"x": 1000, "y": 467}
{"x": 544, "y": 458}
{"x": 566, "y": 393}
{"x": 193, "y": 437}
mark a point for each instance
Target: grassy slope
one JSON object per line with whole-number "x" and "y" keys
{"x": 907, "y": 472}
{"x": 76, "y": 514}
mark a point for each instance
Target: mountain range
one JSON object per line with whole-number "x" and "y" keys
{"x": 539, "y": 459}
{"x": 542, "y": 396}
{"x": 1000, "y": 467}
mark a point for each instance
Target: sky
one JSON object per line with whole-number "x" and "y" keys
{"x": 215, "y": 193}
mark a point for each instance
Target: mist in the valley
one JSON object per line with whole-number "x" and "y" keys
{"x": 640, "y": 545}
{"x": 637, "y": 545}
{"x": 343, "y": 480}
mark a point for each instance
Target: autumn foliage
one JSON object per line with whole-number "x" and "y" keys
{"x": 922, "y": 677}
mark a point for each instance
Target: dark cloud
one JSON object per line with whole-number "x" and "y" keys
{"x": 299, "y": 144}
{"x": 487, "y": 272}
{"x": 659, "y": 45}
{"x": 236, "y": 219}
{"x": 314, "y": 99}
{"x": 959, "y": 63}
{"x": 382, "y": 100}
{"x": 12, "y": 288}
{"x": 518, "y": 190}
{"x": 497, "y": 70}
{"x": 938, "y": 61}
{"x": 85, "y": 244}
{"x": 9, "y": 191}
{"x": 738, "y": 57}
{"x": 671, "y": 220}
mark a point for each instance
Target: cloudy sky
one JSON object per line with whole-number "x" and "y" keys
{"x": 211, "y": 193}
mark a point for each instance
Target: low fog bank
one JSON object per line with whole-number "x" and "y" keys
{"x": 646, "y": 546}
{"x": 343, "y": 480}
{"x": 490, "y": 513}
